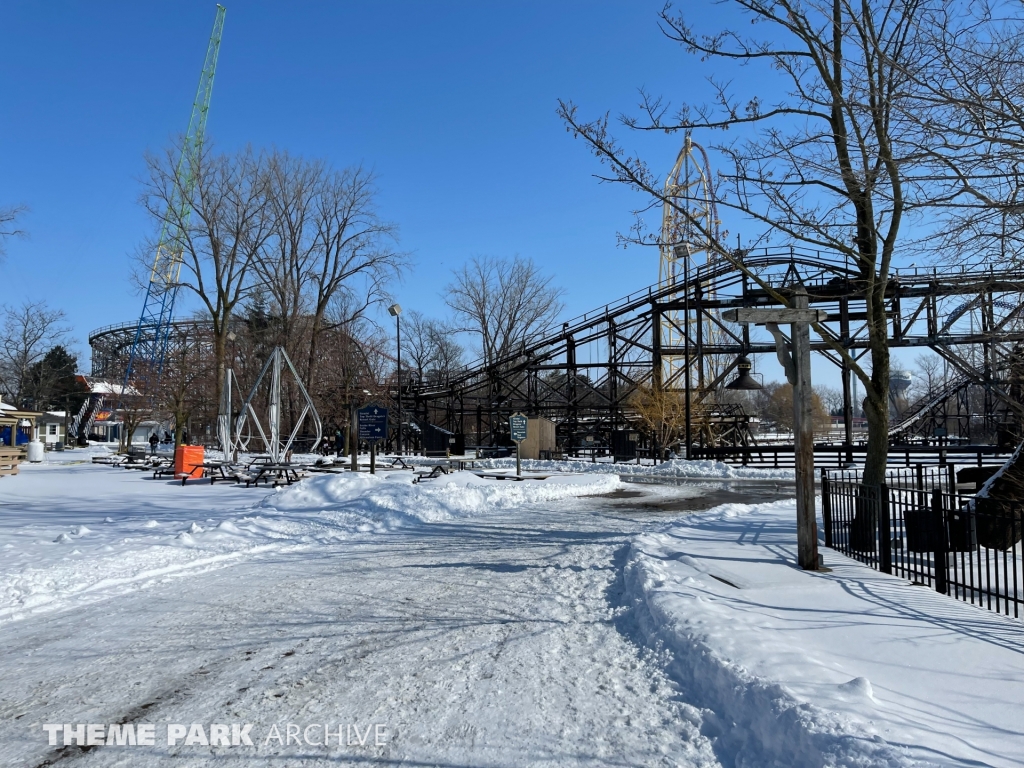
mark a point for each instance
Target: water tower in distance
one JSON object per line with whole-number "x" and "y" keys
{"x": 899, "y": 382}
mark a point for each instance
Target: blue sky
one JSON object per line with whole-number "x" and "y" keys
{"x": 452, "y": 103}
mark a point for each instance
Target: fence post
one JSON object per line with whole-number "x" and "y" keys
{"x": 826, "y": 507}
{"x": 939, "y": 533}
{"x": 884, "y": 531}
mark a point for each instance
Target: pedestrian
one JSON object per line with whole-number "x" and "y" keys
{"x": 184, "y": 437}
{"x": 339, "y": 442}
{"x": 153, "y": 441}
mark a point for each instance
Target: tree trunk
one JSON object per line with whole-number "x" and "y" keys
{"x": 219, "y": 356}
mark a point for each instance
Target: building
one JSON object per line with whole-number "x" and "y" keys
{"x": 16, "y": 427}
{"x": 51, "y": 428}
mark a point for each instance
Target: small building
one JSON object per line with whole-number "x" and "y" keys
{"x": 540, "y": 436}
{"x": 16, "y": 427}
{"x": 51, "y": 428}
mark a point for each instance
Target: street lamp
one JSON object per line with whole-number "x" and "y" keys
{"x": 395, "y": 310}
{"x": 743, "y": 378}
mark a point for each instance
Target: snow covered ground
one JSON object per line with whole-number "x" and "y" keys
{"x": 851, "y": 667}
{"x": 572, "y": 621}
{"x": 116, "y": 530}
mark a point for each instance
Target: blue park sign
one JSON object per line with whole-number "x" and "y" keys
{"x": 373, "y": 422}
{"x": 517, "y": 424}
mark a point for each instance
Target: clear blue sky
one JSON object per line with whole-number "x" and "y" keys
{"x": 452, "y": 103}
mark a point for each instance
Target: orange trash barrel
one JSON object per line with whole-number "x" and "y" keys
{"x": 185, "y": 457}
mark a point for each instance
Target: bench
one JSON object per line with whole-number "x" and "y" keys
{"x": 9, "y": 461}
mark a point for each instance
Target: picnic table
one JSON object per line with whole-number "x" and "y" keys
{"x": 215, "y": 470}
{"x": 444, "y": 467}
{"x": 455, "y": 464}
{"x": 280, "y": 474}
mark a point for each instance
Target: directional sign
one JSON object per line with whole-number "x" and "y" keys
{"x": 373, "y": 422}
{"x": 517, "y": 423}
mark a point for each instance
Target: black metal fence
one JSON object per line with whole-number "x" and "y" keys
{"x": 836, "y": 455}
{"x": 916, "y": 526}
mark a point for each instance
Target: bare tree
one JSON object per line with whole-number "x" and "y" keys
{"x": 826, "y": 163}
{"x": 185, "y": 383}
{"x": 418, "y": 349}
{"x": 9, "y": 216}
{"x": 327, "y": 240}
{"x": 355, "y": 260}
{"x": 28, "y": 332}
{"x": 429, "y": 347}
{"x": 448, "y": 353}
{"x": 662, "y": 413}
{"x": 830, "y": 397}
{"x": 969, "y": 95}
{"x": 931, "y": 375}
{"x": 780, "y": 409}
{"x": 220, "y": 232}
{"x": 505, "y": 302}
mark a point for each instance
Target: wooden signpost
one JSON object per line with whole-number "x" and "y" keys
{"x": 795, "y": 357}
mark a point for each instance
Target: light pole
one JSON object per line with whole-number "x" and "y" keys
{"x": 395, "y": 310}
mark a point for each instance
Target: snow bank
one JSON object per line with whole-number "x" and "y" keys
{"x": 391, "y": 499}
{"x": 71, "y": 531}
{"x": 851, "y": 668}
{"x": 676, "y": 468}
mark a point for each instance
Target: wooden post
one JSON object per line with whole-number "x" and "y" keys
{"x": 373, "y": 457}
{"x": 353, "y": 441}
{"x": 803, "y": 428}
{"x": 795, "y": 358}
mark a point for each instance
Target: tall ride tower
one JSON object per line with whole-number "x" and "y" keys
{"x": 146, "y": 359}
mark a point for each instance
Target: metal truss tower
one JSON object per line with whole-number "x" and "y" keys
{"x": 689, "y": 236}
{"x": 146, "y": 359}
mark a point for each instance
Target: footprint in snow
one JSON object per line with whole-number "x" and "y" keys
{"x": 62, "y": 539}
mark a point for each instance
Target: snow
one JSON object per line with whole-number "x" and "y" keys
{"x": 487, "y": 637}
{"x": 676, "y": 468}
{"x": 851, "y": 667}
{"x": 564, "y": 621}
{"x": 120, "y": 530}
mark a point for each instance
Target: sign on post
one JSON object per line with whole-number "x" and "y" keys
{"x": 372, "y": 423}
{"x": 517, "y": 426}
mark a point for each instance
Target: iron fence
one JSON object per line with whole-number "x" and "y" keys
{"x": 969, "y": 549}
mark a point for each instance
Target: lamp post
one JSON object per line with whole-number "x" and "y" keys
{"x": 395, "y": 310}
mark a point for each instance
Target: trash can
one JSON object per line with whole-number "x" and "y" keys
{"x": 185, "y": 458}
{"x": 35, "y": 452}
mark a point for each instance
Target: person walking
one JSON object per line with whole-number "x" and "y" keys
{"x": 339, "y": 442}
{"x": 153, "y": 442}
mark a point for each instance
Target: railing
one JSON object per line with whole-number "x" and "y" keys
{"x": 837, "y": 455}
{"x": 915, "y": 526}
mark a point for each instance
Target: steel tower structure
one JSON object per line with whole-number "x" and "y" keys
{"x": 149, "y": 347}
{"x": 689, "y": 236}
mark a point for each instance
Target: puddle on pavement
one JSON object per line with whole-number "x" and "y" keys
{"x": 708, "y": 494}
